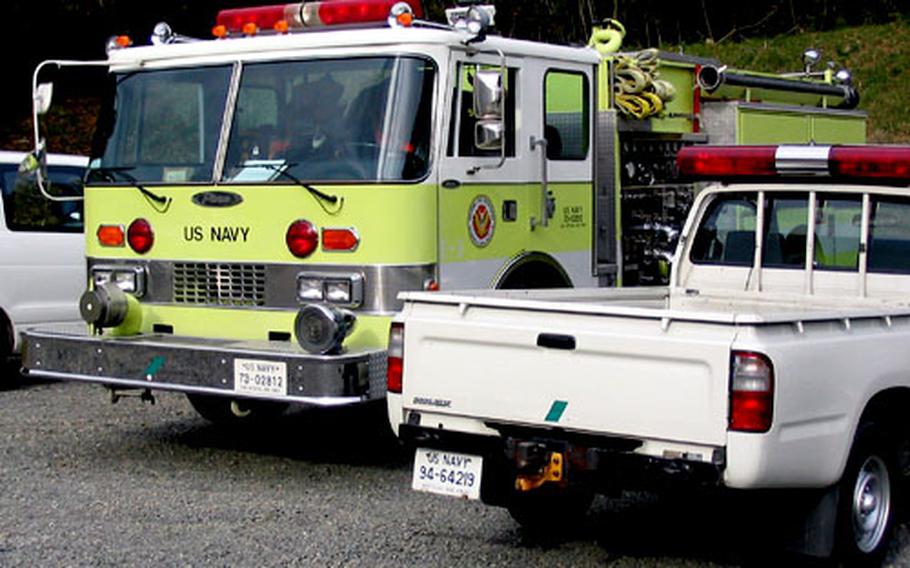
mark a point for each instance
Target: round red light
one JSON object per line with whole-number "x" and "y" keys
{"x": 140, "y": 236}
{"x": 302, "y": 238}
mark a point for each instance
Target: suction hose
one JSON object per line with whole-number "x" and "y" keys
{"x": 711, "y": 78}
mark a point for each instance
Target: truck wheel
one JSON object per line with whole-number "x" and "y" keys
{"x": 228, "y": 411}
{"x": 550, "y": 513}
{"x": 866, "y": 508}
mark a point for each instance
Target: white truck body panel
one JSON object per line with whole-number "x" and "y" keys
{"x": 633, "y": 361}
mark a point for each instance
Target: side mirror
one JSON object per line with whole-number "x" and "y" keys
{"x": 488, "y": 134}
{"x": 488, "y": 103}
{"x": 42, "y": 97}
{"x": 488, "y": 95}
{"x": 34, "y": 168}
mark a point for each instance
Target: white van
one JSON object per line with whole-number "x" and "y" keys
{"x": 42, "y": 256}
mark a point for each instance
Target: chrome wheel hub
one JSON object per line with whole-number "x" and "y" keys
{"x": 871, "y": 504}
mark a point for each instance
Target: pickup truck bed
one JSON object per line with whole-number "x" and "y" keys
{"x": 643, "y": 365}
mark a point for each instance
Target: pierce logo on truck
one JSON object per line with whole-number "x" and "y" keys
{"x": 481, "y": 221}
{"x": 217, "y": 199}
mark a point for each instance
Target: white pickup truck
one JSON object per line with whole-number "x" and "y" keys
{"x": 778, "y": 359}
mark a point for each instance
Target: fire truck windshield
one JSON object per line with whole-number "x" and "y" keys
{"x": 361, "y": 119}
{"x": 343, "y": 120}
{"x": 163, "y": 126}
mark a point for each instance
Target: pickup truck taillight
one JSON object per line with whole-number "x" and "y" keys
{"x": 751, "y": 392}
{"x": 395, "y": 368}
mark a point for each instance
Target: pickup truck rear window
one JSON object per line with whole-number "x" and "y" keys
{"x": 785, "y": 231}
{"x": 837, "y": 229}
{"x": 727, "y": 234}
{"x": 889, "y": 236}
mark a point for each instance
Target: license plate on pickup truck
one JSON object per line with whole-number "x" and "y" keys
{"x": 447, "y": 473}
{"x": 254, "y": 376}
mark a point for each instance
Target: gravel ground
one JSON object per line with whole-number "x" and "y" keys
{"x": 85, "y": 482}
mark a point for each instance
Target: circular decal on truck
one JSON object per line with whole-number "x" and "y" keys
{"x": 481, "y": 221}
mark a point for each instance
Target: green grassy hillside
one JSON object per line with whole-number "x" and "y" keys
{"x": 878, "y": 56}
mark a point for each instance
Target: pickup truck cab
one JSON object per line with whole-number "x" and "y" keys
{"x": 775, "y": 360}
{"x": 42, "y": 266}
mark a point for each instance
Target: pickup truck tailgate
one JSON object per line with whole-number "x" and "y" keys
{"x": 644, "y": 377}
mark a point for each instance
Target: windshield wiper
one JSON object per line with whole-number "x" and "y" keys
{"x": 109, "y": 174}
{"x": 281, "y": 169}
{"x": 333, "y": 199}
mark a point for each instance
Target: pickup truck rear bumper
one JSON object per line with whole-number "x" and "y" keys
{"x": 204, "y": 366}
{"x": 600, "y": 463}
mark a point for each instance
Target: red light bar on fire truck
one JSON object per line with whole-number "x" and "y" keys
{"x": 854, "y": 162}
{"x": 311, "y": 14}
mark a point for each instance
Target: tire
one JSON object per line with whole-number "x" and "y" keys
{"x": 9, "y": 364}
{"x": 235, "y": 412}
{"x": 868, "y": 498}
{"x": 542, "y": 512}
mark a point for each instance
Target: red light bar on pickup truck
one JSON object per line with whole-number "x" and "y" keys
{"x": 853, "y": 162}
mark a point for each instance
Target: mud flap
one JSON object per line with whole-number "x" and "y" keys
{"x": 813, "y": 529}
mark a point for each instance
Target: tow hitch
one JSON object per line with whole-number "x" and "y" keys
{"x": 537, "y": 466}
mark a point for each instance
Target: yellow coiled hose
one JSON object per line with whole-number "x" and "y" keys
{"x": 637, "y": 92}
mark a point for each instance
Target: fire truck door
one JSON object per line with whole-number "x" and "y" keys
{"x": 564, "y": 149}
{"x": 483, "y": 200}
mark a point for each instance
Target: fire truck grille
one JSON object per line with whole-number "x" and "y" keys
{"x": 219, "y": 284}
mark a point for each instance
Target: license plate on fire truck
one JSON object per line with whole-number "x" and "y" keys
{"x": 447, "y": 473}
{"x": 254, "y": 376}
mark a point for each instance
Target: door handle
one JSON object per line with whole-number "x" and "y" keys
{"x": 546, "y": 206}
{"x": 556, "y": 341}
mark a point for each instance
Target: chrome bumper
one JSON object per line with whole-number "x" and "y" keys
{"x": 200, "y": 365}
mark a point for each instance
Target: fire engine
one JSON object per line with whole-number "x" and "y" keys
{"x": 256, "y": 202}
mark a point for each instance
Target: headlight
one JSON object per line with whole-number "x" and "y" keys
{"x": 130, "y": 279}
{"x": 309, "y": 289}
{"x": 340, "y": 289}
{"x": 100, "y": 277}
{"x": 321, "y": 328}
